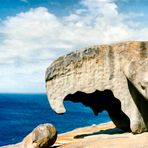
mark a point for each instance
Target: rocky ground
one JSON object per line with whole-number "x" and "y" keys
{"x": 98, "y": 136}
{"x": 101, "y": 136}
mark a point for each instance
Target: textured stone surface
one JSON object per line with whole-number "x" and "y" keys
{"x": 43, "y": 136}
{"x": 121, "y": 68}
{"x": 101, "y": 136}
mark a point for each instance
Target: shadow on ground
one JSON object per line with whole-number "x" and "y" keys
{"x": 108, "y": 131}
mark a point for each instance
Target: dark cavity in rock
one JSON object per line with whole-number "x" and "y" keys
{"x": 103, "y": 100}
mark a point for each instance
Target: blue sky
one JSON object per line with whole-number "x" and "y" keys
{"x": 35, "y": 32}
{"x": 12, "y": 7}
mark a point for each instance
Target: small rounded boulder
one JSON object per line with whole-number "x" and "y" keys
{"x": 44, "y": 136}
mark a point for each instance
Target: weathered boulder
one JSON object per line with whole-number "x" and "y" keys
{"x": 121, "y": 68}
{"x": 43, "y": 136}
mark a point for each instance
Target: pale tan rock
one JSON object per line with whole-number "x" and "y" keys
{"x": 97, "y": 136}
{"x": 101, "y": 136}
{"x": 42, "y": 136}
{"x": 18, "y": 145}
{"x": 121, "y": 68}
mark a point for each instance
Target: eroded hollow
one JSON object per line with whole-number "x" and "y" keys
{"x": 102, "y": 100}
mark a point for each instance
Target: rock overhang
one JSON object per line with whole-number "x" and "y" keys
{"x": 98, "y": 68}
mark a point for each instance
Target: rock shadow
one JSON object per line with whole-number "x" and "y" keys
{"x": 54, "y": 146}
{"x": 111, "y": 131}
{"x": 103, "y": 100}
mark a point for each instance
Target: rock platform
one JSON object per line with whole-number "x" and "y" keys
{"x": 97, "y": 136}
{"x": 101, "y": 136}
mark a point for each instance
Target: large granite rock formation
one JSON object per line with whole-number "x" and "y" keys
{"x": 121, "y": 68}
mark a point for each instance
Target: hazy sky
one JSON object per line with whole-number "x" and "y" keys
{"x": 35, "y": 32}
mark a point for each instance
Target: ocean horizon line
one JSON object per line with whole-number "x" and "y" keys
{"x": 23, "y": 93}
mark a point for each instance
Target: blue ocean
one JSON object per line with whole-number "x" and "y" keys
{"x": 21, "y": 113}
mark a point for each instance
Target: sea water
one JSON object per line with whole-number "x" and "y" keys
{"x": 21, "y": 113}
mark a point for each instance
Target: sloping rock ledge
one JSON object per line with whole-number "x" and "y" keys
{"x": 95, "y": 136}
{"x": 104, "y": 136}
